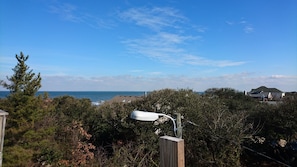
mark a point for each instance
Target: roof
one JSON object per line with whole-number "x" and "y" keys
{"x": 265, "y": 89}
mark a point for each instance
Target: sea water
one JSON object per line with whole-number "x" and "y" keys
{"x": 94, "y": 96}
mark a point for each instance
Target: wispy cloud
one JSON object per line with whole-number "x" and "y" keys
{"x": 248, "y": 29}
{"x": 168, "y": 41}
{"x": 246, "y": 26}
{"x": 66, "y": 11}
{"x": 196, "y": 60}
{"x": 154, "y": 18}
{"x": 167, "y": 48}
{"x": 162, "y": 46}
{"x": 72, "y": 13}
{"x": 201, "y": 29}
{"x": 229, "y": 22}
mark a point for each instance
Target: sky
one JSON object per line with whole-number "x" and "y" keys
{"x": 133, "y": 45}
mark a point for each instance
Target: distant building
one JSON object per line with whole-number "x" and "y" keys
{"x": 264, "y": 93}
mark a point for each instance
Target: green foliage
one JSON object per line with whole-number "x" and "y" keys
{"x": 24, "y": 111}
{"x": 234, "y": 100}
{"x": 66, "y": 131}
{"x": 22, "y": 105}
{"x": 26, "y": 132}
{"x": 68, "y": 120}
{"x": 278, "y": 121}
{"x": 23, "y": 81}
{"x": 133, "y": 154}
{"x": 49, "y": 153}
{"x": 217, "y": 138}
{"x": 67, "y": 108}
{"x": 17, "y": 156}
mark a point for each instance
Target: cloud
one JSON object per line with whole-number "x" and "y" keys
{"x": 247, "y": 27}
{"x": 72, "y": 13}
{"x": 278, "y": 76}
{"x": 201, "y": 29}
{"x": 66, "y": 11}
{"x": 167, "y": 48}
{"x": 229, "y": 22}
{"x": 156, "y": 73}
{"x": 154, "y": 18}
{"x": 243, "y": 22}
{"x": 168, "y": 41}
{"x": 239, "y": 81}
{"x": 161, "y": 47}
{"x": 196, "y": 60}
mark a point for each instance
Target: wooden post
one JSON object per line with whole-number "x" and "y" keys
{"x": 3, "y": 115}
{"x": 172, "y": 152}
{"x": 179, "y": 126}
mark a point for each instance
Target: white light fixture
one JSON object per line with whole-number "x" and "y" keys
{"x": 171, "y": 148}
{"x": 150, "y": 116}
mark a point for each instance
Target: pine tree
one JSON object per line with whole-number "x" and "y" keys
{"x": 22, "y": 103}
{"x": 24, "y": 110}
{"x": 23, "y": 81}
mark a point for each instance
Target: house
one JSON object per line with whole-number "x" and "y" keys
{"x": 264, "y": 93}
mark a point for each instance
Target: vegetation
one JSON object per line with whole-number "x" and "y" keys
{"x": 218, "y": 126}
{"x": 23, "y": 82}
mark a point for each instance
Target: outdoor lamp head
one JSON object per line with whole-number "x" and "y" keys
{"x": 144, "y": 116}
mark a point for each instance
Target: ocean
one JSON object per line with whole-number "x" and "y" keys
{"x": 94, "y": 96}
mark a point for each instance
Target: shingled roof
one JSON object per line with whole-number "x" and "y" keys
{"x": 265, "y": 89}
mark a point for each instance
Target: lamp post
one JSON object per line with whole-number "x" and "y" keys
{"x": 3, "y": 115}
{"x": 171, "y": 148}
{"x": 152, "y": 116}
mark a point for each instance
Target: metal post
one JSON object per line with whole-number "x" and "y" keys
{"x": 172, "y": 152}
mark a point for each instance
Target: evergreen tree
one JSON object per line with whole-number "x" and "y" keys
{"x": 24, "y": 110}
{"x": 23, "y": 80}
{"x": 22, "y": 104}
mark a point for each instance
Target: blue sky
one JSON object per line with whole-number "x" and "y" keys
{"x": 126, "y": 45}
